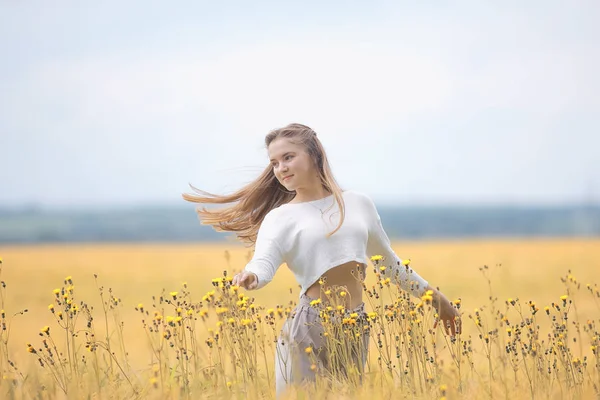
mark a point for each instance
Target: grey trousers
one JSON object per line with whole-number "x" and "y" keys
{"x": 304, "y": 329}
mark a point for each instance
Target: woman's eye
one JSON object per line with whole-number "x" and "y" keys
{"x": 288, "y": 157}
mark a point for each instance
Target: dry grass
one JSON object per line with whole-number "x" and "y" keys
{"x": 144, "y": 364}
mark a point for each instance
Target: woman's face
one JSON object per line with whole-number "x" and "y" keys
{"x": 292, "y": 165}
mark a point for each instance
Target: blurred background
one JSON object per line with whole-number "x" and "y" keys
{"x": 479, "y": 119}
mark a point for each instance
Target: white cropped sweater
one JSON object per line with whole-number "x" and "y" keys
{"x": 296, "y": 234}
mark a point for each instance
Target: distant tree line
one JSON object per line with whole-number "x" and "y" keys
{"x": 182, "y": 225}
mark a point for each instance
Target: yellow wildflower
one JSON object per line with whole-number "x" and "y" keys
{"x": 221, "y": 310}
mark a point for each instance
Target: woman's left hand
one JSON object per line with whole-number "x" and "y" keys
{"x": 447, "y": 314}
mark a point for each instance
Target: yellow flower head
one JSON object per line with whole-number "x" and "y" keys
{"x": 315, "y": 302}
{"x": 174, "y": 294}
{"x": 46, "y": 330}
{"x": 221, "y": 310}
{"x": 564, "y": 297}
{"x": 377, "y": 258}
{"x": 308, "y": 350}
{"x": 406, "y": 262}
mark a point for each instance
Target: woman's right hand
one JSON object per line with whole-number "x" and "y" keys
{"x": 245, "y": 279}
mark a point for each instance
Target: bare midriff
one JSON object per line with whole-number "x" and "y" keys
{"x": 348, "y": 278}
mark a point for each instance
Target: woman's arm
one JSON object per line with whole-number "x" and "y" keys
{"x": 267, "y": 257}
{"x": 379, "y": 244}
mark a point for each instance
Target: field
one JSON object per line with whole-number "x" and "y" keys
{"x": 101, "y": 348}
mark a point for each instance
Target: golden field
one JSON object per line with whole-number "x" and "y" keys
{"x": 520, "y": 270}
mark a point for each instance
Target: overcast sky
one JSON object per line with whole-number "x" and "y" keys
{"x": 125, "y": 103}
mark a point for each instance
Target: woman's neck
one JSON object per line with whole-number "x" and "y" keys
{"x": 304, "y": 196}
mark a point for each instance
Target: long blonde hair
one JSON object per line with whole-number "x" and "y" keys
{"x": 256, "y": 199}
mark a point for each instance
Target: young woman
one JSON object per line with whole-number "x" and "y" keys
{"x": 296, "y": 213}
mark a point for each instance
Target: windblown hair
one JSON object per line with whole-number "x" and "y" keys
{"x": 254, "y": 201}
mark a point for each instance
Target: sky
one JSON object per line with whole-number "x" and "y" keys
{"x": 124, "y": 104}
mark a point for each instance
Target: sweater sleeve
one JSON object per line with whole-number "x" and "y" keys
{"x": 379, "y": 245}
{"x": 268, "y": 256}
